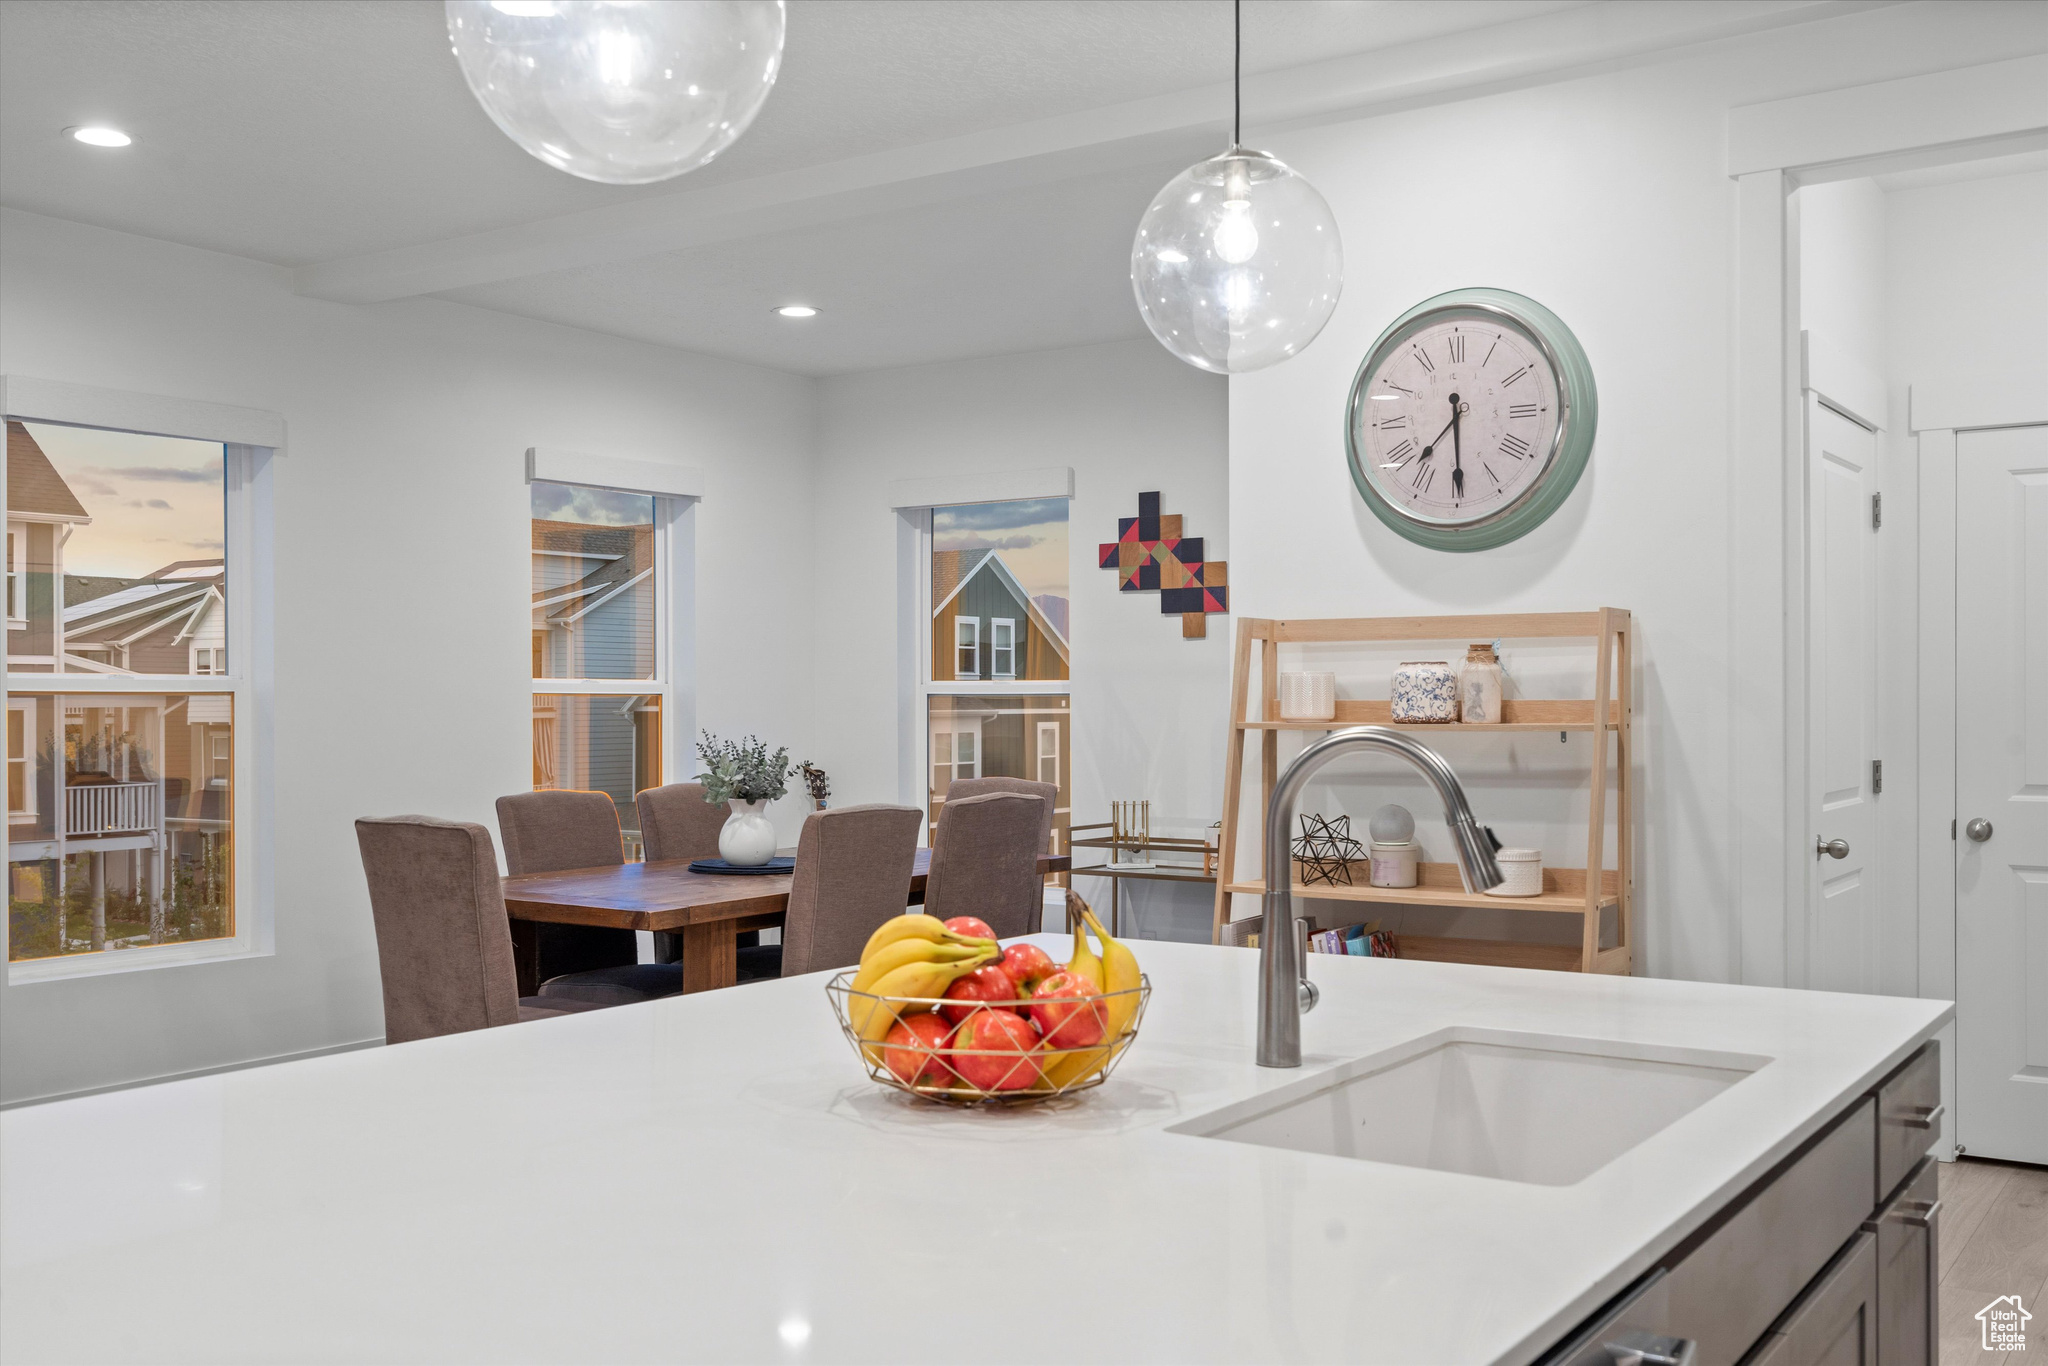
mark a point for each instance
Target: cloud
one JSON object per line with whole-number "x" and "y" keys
{"x": 97, "y": 487}
{"x": 1017, "y": 542}
{"x": 602, "y": 507}
{"x": 147, "y": 503}
{"x": 1000, "y": 516}
{"x": 212, "y": 472}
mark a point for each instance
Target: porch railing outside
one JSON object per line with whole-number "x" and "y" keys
{"x": 112, "y": 808}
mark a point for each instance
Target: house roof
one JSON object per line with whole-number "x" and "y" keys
{"x": 33, "y": 484}
{"x": 956, "y": 567}
{"x": 622, "y": 555}
{"x": 101, "y": 612}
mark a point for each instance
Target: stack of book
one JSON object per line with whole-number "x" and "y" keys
{"x": 1360, "y": 941}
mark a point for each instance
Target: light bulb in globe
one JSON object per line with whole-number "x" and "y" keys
{"x": 1237, "y": 264}
{"x": 620, "y": 91}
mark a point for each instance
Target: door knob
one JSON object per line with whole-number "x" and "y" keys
{"x": 1978, "y": 830}
{"x": 1832, "y": 848}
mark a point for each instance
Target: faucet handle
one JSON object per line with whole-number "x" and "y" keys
{"x": 1305, "y": 993}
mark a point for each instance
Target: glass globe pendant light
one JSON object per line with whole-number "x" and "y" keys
{"x": 620, "y": 91}
{"x": 1237, "y": 263}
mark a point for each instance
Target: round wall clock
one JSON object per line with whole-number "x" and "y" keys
{"x": 1471, "y": 419}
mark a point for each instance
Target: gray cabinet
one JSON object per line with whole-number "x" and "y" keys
{"x": 1830, "y": 1258}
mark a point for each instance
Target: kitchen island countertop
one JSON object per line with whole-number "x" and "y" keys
{"x": 711, "y": 1178}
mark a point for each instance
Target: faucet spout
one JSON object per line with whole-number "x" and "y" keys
{"x": 1285, "y": 994}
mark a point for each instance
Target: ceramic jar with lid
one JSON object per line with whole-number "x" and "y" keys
{"x": 1425, "y": 692}
{"x": 1393, "y": 864}
{"x": 1479, "y": 687}
{"x": 1523, "y": 871}
{"x": 1308, "y": 697}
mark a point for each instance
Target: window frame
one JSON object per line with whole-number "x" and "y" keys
{"x": 17, "y": 567}
{"x": 674, "y": 544}
{"x": 967, "y": 636}
{"x": 28, "y": 810}
{"x": 247, "y": 532}
{"x": 996, "y": 649}
{"x": 1046, "y": 728}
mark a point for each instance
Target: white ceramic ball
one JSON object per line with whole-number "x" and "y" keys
{"x": 1392, "y": 825}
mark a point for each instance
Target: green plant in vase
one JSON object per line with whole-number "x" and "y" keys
{"x": 744, "y": 777}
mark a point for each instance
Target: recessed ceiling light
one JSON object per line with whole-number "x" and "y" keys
{"x": 796, "y": 311}
{"x": 99, "y": 135}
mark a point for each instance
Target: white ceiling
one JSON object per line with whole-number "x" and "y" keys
{"x": 945, "y": 178}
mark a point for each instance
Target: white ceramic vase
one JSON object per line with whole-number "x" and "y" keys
{"x": 747, "y": 839}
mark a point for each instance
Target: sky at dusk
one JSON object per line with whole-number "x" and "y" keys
{"x": 154, "y": 500}
{"x": 1029, "y": 535}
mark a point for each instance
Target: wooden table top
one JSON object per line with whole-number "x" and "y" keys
{"x": 668, "y": 896}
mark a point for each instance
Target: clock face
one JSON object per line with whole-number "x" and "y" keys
{"x": 1470, "y": 420}
{"x": 1458, "y": 421}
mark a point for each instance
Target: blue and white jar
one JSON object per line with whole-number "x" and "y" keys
{"x": 1425, "y": 692}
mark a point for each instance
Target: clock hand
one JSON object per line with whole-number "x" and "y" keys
{"x": 1457, "y": 452}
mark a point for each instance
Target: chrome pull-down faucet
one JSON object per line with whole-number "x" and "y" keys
{"x": 1285, "y": 993}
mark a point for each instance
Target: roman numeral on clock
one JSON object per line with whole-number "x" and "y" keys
{"x": 1423, "y": 478}
{"x": 1422, "y": 356}
{"x": 1521, "y": 410}
{"x": 1457, "y": 348}
{"x": 1515, "y": 446}
{"x": 1393, "y": 423}
{"x": 1489, "y": 352}
{"x": 1512, "y": 378}
{"x": 1397, "y": 456}
{"x": 1489, "y": 473}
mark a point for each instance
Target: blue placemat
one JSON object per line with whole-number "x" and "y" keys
{"x": 719, "y": 865}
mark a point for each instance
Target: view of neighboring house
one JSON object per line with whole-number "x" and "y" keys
{"x": 118, "y": 807}
{"x": 986, "y": 629}
{"x": 594, "y": 618}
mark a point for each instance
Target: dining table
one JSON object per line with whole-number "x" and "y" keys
{"x": 707, "y": 910}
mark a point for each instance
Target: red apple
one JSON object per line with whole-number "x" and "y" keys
{"x": 997, "y": 1052}
{"x": 1068, "y": 1011}
{"x": 986, "y": 983}
{"x": 1028, "y": 965}
{"x": 968, "y": 927}
{"x": 914, "y": 1051}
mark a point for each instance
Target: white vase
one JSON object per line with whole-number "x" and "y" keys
{"x": 747, "y": 839}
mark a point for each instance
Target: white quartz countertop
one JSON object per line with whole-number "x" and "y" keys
{"x": 712, "y": 1178}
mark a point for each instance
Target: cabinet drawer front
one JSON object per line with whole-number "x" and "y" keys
{"x": 1907, "y": 1257}
{"x": 1728, "y": 1290}
{"x": 1835, "y": 1321}
{"x": 1908, "y": 1117}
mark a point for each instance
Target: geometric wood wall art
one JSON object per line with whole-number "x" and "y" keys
{"x": 1149, "y": 555}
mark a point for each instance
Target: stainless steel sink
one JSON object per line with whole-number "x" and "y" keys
{"x": 1540, "y": 1108}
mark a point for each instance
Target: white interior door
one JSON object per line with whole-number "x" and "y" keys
{"x": 2002, "y": 781}
{"x": 1843, "y": 926}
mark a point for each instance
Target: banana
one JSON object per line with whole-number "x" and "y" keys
{"x": 915, "y": 925}
{"x": 1084, "y": 963}
{"x": 871, "y": 1019}
{"x": 904, "y": 951}
{"x": 1082, "y": 1063}
{"x": 1121, "y": 979}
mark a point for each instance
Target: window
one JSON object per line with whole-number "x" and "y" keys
{"x": 599, "y": 604}
{"x": 1002, "y": 634}
{"x": 1049, "y": 752}
{"x": 122, "y": 780}
{"x": 17, "y": 546}
{"x": 967, "y": 647}
{"x": 995, "y": 688}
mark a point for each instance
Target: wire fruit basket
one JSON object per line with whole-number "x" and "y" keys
{"x": 1086, "y": 1049}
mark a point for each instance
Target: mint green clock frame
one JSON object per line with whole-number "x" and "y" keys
{"x": 1578, "y": 415}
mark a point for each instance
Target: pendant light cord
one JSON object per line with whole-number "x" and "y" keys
{"x": 1236, "y": 72}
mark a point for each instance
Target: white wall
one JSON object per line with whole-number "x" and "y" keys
{"x": 1843, "y": 294}
{"x": 1148, "y": 705}
{"x": 1606, "y": 198}
{"x": 401, "y": 583}
{"x": 1968, "y": 275}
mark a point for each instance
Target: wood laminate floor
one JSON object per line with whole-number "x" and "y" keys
{"x": 1994, "y": 1241}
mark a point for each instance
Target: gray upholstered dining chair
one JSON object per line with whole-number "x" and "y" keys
{"x": 677, "y": 823}
{"x": 443, "y": 947}
{"x": 976, "y": 787}
{"x": 985, "y": 862}
{"x": 853, "y": 869}
{"x": 546, "y": 832}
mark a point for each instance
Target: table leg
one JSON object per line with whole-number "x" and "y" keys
{"x": 526, "y": 955}
{"x": 710, "y": 958}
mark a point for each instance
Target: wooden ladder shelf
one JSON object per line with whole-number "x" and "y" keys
{"x": 1584, "y": 892}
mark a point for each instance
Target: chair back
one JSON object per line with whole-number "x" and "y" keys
{"x": 975, "y": 787}
{"x": 546, "y": 832}
{"x": 677, "y": 823}
{"x": 853, "y": 870}
{"x": 443, "y": 947}
{"x": 985, "y": 862}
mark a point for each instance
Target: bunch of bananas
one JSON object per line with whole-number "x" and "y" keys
{"x": 913, "y": 956}
{"x": 1114, "y": 972}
